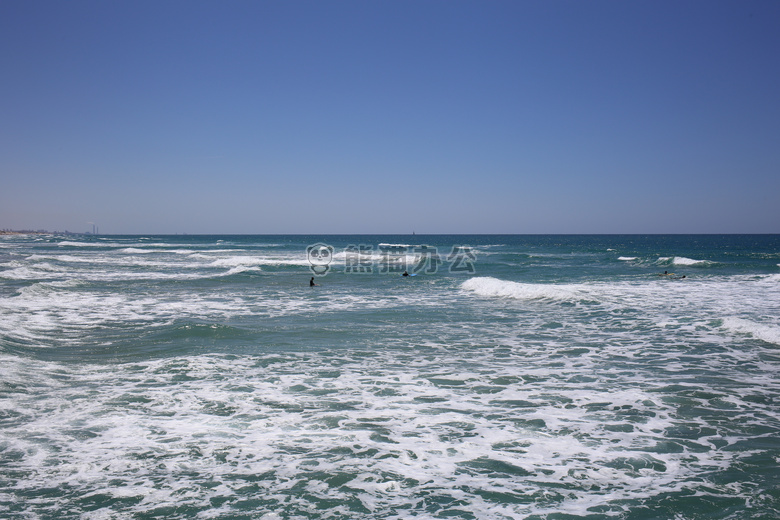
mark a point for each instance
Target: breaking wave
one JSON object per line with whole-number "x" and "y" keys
{"x": 681, "y": 260}
{"x": 767, "y": 333}
{"x": 493, "y": 287}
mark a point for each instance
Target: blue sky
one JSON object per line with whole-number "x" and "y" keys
{"x": 390, "y": 116}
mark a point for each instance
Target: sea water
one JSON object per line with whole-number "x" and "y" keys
{"x": 513, "y": 377}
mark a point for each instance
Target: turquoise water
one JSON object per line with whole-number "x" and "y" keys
{"x": 519, "y": 377}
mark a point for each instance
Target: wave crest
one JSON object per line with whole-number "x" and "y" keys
{"x": 493, "y": 287}
{"x": 766, "y": 333}
{"x": 681, "y": 260}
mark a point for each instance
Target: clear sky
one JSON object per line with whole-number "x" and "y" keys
{"x": 168, "y": 116}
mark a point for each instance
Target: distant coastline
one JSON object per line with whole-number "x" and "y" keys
{"x": 35, "y": 232}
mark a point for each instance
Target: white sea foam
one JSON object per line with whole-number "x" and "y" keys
{"x": 764, "y": 332}
{"x": 142, "y": 266}
{"x": 70, "y": 243}
{"x": 137, "y": 251}
{"x": 242, "y": 269}
{"x": 233, "y": 261}
{"x": 42, "y": 271}
{"x": 144, "y": 251}
{"x": 397, "y": 245}
{"x": 189, "y": 431}
{"x": 681, "y": 260}
{"x": 493, "y": 287}
{"x": 509, "y": 403}
{"x": 626, "y": 258}
{"x": 56, "y": 312}
{"x": 237, "y": 261}
{"x": 376, "y": 259}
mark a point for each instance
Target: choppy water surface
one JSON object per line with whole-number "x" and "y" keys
{"x": 201, "y": 377}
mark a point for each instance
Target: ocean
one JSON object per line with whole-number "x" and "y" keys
{"x": 509, "y": 377}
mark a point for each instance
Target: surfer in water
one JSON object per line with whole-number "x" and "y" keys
{"x": 406, "y": 273}
{"x": 311, "y": 282}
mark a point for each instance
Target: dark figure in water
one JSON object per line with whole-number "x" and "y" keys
{"x": 311, "y": 282}
{"x": 406, "y": 273}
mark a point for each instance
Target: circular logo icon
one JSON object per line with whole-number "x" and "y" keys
{"x": 320, "y": 255}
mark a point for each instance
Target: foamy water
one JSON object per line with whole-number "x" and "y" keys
{"x": 564, "y": 378}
